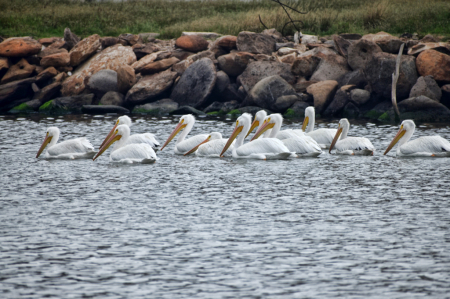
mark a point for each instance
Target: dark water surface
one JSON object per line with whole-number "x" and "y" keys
{"x": 188, "y": 227}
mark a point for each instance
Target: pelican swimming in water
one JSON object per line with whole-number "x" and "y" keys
{"x": 182, "y": 146}
{"x": 127, "y": 153}
{"x": 79, "y": 148}
{"x": 260, "y": 116}
{"x": 322, "y": 136}
{"x": 303, "y": 146}
{"x": 426, "y": 146}
{"x": 265, "y": 148}
{"x": 212, "y": 146}
{"x": 147, "y": 138}
{"x": 350, "y": 145}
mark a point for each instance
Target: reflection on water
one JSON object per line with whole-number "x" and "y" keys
{"x": 191, "y": 227}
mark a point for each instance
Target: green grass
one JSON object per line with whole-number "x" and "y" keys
{"x": 46, "y": 18}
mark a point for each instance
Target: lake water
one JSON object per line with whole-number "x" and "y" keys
{"x": 188, "y": 227}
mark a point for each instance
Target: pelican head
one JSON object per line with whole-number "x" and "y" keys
{"x": 187, "y": 120}
{"x": 122, "y": 132}
{"x": 259, "y": 118}
{"x": 242, "y": 124}
{"x": 344, "y": 126}
{"x": 310, "y": 114}
{"x": 406, "y": 126}
{"x": 212, "y": 136}
{"x": 52, "y": 134}
{"x": 123, "y": 120}
{"x": 269, "y": 122}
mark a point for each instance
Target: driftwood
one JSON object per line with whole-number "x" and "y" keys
{"x": 395, "y": 76}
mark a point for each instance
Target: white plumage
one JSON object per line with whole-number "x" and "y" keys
{"x": 425, "y": 146}
{"x": 146, "y": 138}
{"x": 322, "y": 136}
{"x": 350, "y": 145}
{"x": 79, "y": 148}
{"x": 127, "y": 153}
{"x": 301, "y": 145}
{"x": 265, "y": 148}
{"x": 212, "y": 146}
{"x": 260, "y": 116}
{"x": 182, "y": 146}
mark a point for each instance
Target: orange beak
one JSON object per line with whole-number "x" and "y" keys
{"x": 335, "y": 139}
{"x": 110, "y": 133}
{"x": 196, "y": 147}
{"x": 265, "y": 126}
{"x": 233, "y": 136}
{"x": 397, "y": 137}
{"x": 108, "y": 143}
{"x": 305, "y": 123}
{"x": 177, "y": 129}
{"x": 255, "y": 123}
{"x": 47, "y": 140}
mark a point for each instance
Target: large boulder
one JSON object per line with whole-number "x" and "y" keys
{"x": 388, "y": 43}
{"x": 266, "y": 92}
{"x": 234, "y": 63}
{"x": 161, "y": 107}
{"x": 361, "y": 52}
{"x": 196, "y": 84}
{"x": 126, "y": 78}
{"x": 112, "y": 98}
{"x": 227, "y": 42}
{"x": 159, "y": 66}
{"x": 102, "y": 82}
{"x": 19, "y": 47}
{"x": 379, "y": 72}
{"x": 140, "y": 64}
{"x": 356, "y": 78}
{"x": 359, "y": 96}
{"x": 422, "y": 109}
{"x": 322, "y": 92}
{"x": 84, "y": 49}
{"x": 330, "y": 67}
{"x": 150, "y": 88}
{"x": 434, "y": 63}
{"x": 64, "y": 105}
{"x": 255, "y": 43}
{"x": 337, "y": 105}
{"x": 426, "y": 86}
{"x": 341, "y": 45}
{"x": 222, "y": 82}
{"x": 192, "y": 43}
{"x": 111, "y": 58}
{"x": 46, "y": 94}
{"x": 15, "y": 90}
{"x": 56, "y": 60}
{"x": 258, "y": 70}
{"x": 305, "y": 66}
{"x": 142, "y": 50}
{"x": 4, "y": 66}
{"x": 70, "y": 38}
{"x": 20, "y": 70}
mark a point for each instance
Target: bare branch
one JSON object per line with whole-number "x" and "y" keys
{"x": 262, "y": 22}
{"x": 395, "y": 76}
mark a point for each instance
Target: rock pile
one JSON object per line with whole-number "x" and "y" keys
{"x": 343, "y": 75}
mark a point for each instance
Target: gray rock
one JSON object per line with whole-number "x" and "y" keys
{"x": 445, "y": 99}
{"x": 258, "y": 70}
{"x": 379, "y": 72}
{"x": 284, "y": 102}
{"x": 359, "y": 96}
{"x": 12, "y": 91}
{"x": 305, "y": 66}
{"x": 422, "y": 108}
{"x": 341, "y": 45}
{"x": 234, "y": 63}
{"x": 266, "y": 92}
{"x": 65, "y": 105}
{"x": 104, "y": 109}
{"x": 149, "y": 88}
{"x": 161, "y": 107}
{"x": 187, "y": 110}
{"x": 331, "y": 67}
{"x": 351, "y": 111}
{"x": 356, "y": 78}
{"x": 426, "y": 86}
{"x": 255, "y": 43}
{"x": 102, "y": 82}
{"x": 196, "y": 84}
{"x": 232, "y": 93}
{"x": 378, "y": 110}
{"x": 361, "y": 52}
{"x": 222, "y": 82}
{"x": 297, "y": 110}
{"x": 112, "y": 98}
{"x": 214, "y": 107}
{"x": 229, "y": 106}
{"x": 340, "y": 100}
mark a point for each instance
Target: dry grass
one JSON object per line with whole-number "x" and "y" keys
{"x": 45, "y": 18}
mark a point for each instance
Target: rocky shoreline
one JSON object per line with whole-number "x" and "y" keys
{"x": 346, "y": 75}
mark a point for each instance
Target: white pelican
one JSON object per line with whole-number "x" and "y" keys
{"x": 260, "y": 116}
{"x": 135, "y": 138}
{"x": 183, "y": 146}
{"x": 127, "y": 153}
{"x": 323, "y": 137}
{"x": 212, "y": 146}
{"x": 265, "y": 148}
{"x": 79, "y": 148}
{"x": 427, "y": 146}
{"x": 350, "y": 145}
{"x": 303, "y": 146}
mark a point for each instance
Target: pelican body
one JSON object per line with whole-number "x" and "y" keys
{"x": 127, "y": 153}
{"x": 79, "y": 148}
{"x": 212, "y": 146}
{"x": 147, "y": 138}
{"x": 350, "y": 145}
{"x": 182, "y": 146}
{"x": 426, "y": 146}
{"x": 302, "y": 146}
{"x": 323, "y": 136}
{"x": 264, "y": 149}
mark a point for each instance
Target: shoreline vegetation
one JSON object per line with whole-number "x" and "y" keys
{"x": 49, "y": 18}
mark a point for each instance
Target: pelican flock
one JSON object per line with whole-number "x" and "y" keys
{"x": 274, "y": 143}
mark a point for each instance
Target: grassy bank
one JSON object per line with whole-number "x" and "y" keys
{"x": 45, "y": 18}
